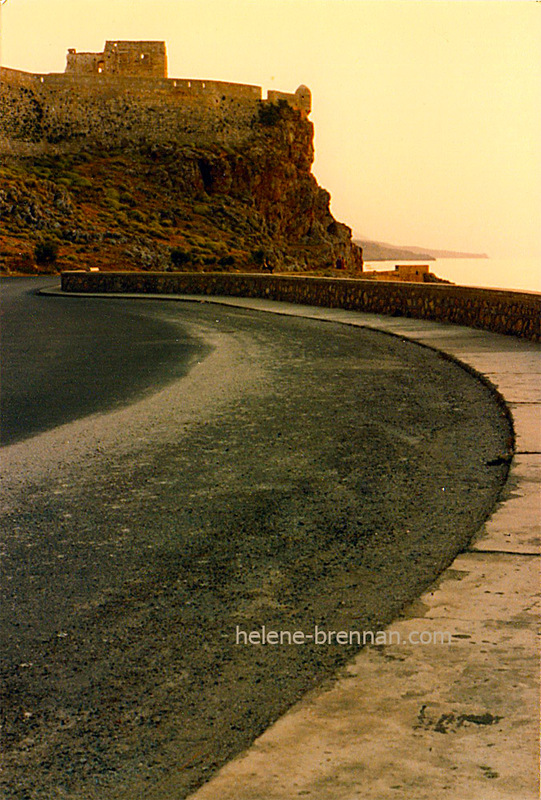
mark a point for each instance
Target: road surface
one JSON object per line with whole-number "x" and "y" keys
{"x": 280, "y": 472}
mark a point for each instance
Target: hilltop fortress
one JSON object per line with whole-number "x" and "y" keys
{"x": 123, "y": 94}
{"x": 122, "y": 164}
{"x": 149, "y": 60}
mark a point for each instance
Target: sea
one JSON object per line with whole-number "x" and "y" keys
{"x": 521, "y": 274}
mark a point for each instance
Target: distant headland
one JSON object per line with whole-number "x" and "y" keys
{"x": 382, "y": 251}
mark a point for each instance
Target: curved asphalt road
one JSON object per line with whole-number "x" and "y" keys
{"x": 60, "y": 361}
{"x": 284, "y": 473}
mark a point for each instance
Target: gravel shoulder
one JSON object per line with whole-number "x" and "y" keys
{"x": 301, "y": 473}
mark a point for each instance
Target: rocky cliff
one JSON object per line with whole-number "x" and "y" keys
{"x": 118, "y": 181}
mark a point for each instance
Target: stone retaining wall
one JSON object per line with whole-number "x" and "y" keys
{"x": 515, "y": 313}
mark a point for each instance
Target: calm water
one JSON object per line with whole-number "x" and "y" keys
{"x": 494, "y": 273}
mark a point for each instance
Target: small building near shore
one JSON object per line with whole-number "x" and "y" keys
{"x": 413, "y": 273}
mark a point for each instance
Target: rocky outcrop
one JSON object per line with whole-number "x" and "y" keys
{"x": 155, "y": 188}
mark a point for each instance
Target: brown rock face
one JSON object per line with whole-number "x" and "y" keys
{"x": 270, "y": 176}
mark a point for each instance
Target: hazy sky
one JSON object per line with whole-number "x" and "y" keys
{"x": 427, "y": 113}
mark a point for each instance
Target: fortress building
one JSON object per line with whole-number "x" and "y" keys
{"x": 123, "y": 95}
{"x": 139, "y": 69}
{"x": 130, "y": 59}
{"x": 126, "y": 60}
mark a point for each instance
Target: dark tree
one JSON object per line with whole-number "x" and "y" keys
{"x": 46, "y": 252}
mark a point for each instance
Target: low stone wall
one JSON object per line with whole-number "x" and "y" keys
{"x": 515, "y": 313}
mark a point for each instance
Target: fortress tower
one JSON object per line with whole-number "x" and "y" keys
{"x": 302, "y": 99}
{"x": 131, "y": 59}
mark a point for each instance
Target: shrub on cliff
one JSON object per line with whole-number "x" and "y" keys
{"x": 263, "y": 259}
{"x": 201, "y": 208}
{"x": 179, "y": 257}
{"x": 46, "y": 252}
{"x": 270, "y": 113}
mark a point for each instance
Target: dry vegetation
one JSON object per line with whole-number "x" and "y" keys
{"x": 115, "y": 213}
{"x": 170, "y": 208}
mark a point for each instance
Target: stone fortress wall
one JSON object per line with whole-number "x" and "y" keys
{"x": 124, "y": 95}
{"x": 63, "y": 110}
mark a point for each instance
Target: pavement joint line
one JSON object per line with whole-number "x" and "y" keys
{"x": 489, "y": 552}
